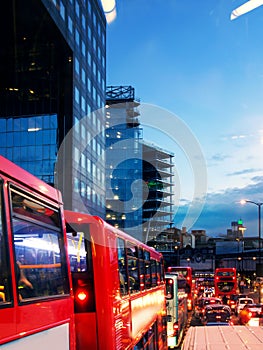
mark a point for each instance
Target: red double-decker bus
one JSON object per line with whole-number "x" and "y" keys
{"x": 36, "y": 302}
{"x": 119, "y": 287}
{"x": 187, "y": 273}
{"x": 225, "y": 281}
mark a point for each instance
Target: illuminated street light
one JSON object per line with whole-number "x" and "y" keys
{"x": 258, "y": 204}
{"x": 244, "y": 201}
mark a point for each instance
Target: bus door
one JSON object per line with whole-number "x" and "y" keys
{"x": 81, "y": 267}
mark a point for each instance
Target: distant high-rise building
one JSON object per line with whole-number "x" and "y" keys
{"x": 158, "y": 174}
{"x": 52, "y": 64}
{"x": 139, "y": 176}
{"x": 237, "y": 230}
{"x": 123, "y": 160}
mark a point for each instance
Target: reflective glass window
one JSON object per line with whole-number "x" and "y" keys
{"x": 62, "y": 10}
{"x": 70, "y": 24}
{"x": 122, "y": 267}
{"x": 39, "y": 248}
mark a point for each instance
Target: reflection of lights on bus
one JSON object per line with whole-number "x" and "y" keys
{"x": 187, "y": 273}
{"x": 124, "y": 305}
{"x": 176, "y": 307}
{"x": 35, "y": 243}
{"x": 34, "y": 278}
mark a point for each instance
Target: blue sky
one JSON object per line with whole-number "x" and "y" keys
{"x": 188, "y": 58}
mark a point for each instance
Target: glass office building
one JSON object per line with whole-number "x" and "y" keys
{"x": 31, "y": 142}
{"x": 53, "y": 68}
{"x": 123, "y": 160}
{"x": 139, "y": 175}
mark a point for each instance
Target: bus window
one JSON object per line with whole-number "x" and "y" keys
{"x": 133, "y": 268}
{"x": 81, "y": 267}
{"x": 26, "y": 207}
{"x": 225, "y": 281}
{"x": 141, "y": 268}
{"x": 41, "y": 269}
{"x": 5, "y": 283}
{"x": 160, "y": 273}
{"x": 148, "y": 279}
{"x": 154, "y": 273}
{"x": 78, "y": 252}
{"x": 122, "y": 267}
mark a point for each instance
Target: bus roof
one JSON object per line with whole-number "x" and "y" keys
{"x": 21, "y": 176}
{"x": 76, "y": 218}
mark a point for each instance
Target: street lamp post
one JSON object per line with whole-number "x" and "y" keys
{"x": 258, "y": 204}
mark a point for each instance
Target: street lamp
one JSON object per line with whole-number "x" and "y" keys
{"x": 244, "y": 201}
{"x": 176, "y": 248}
{"x": 258, "y": 204}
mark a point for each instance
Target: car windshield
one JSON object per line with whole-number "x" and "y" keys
{"x": 217, "y": 309}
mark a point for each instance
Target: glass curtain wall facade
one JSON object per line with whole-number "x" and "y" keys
{"x": 31, "y": 142}
{"x": 123, "y": 161}
{"x": 53, "y": 68}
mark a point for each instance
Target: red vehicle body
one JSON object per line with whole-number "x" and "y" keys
{"x": 186, "y": 272}
{"x": 119, "y": 287}
{"x": 225, "y": 281}
{"x": 36, "y": 301}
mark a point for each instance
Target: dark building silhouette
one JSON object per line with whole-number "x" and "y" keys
{"x": 52, "y": 68}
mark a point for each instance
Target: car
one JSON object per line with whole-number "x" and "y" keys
{"x": 202, "y": 302}
{"x": 216, "y": 313}
{"x": 250, "y": 312}
{"x": 242, "y": 302}
{"x": 232, "y": 301}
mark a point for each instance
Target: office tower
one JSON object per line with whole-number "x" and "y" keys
{"x": 139, "y": 175}
{"x": 123, "y": 160}
{"x": 52, "y": 64}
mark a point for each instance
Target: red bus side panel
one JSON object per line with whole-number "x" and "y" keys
{"x": 86, "y": 338}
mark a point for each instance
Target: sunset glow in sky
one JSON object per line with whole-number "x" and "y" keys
{"x": 189, "y": 58}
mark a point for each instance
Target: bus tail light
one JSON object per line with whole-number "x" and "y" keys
{"x": 81, "y": 295}
{"x": 84, "y": 295}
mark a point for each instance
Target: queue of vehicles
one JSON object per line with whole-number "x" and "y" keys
{"x": 212, "y": 305}
{"x": 226, "y": 304}
{"x": 86, "y": 274}
{"x": 225, "y": 318}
